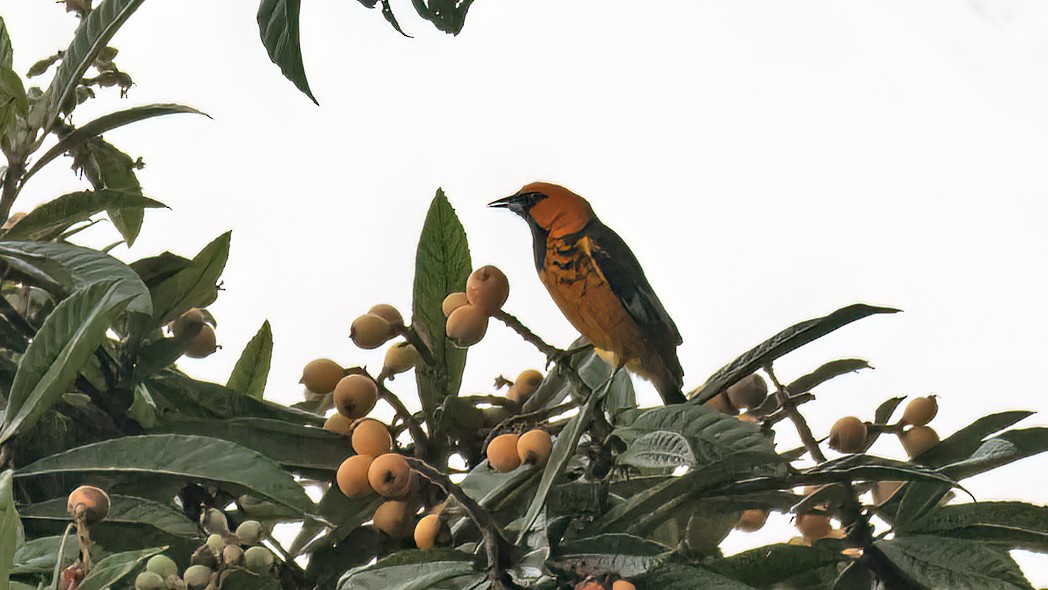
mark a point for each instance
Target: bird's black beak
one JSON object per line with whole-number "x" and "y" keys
{"x": 518, "y": 203}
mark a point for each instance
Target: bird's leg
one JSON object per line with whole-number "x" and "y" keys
{"x": 558, "y": 356}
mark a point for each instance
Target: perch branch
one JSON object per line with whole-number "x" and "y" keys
{"x": 790, "y": 408}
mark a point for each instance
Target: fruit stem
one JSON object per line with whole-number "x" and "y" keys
{"x": 513, "y": 323}
{"x": 415, "y": 340}
{"x": 790, "y": 408}
{"x": 60, "y": 557}
{"x": 495, "y": 544}
{"x": 420, "y": 438}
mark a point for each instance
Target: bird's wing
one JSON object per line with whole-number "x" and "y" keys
{"x": 626, "y": 279}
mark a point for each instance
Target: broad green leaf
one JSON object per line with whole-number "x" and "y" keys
{"x": 826, "y": 372}
{"x": 155, "y": 269}
{"x": 91, "y": 36}
{"x": 410, "y": 570}
{"x": 38, "y": 555}
{"x": 174, "y": 392}
{"x": 116, "y": 567}
{"x": 291, "y": 445}
{"x": 49, "y": 220}
{"x": 131, "y": 523}
{"x": 663, "y": 436}
{"x": 563, "y": 450}
{"x": 69, "y": 335}
{"x": 1000, "y": 450}
{"x": 6, "y": 50}
{"x": 238, "y": 578}
{"x": 183, "y": 458}
{"x": 143, "y": 409}
{"x": 782, "y": 343}
{"x": 13, "y": 104}
{"x": 278, "y": 26}
{"x": 941, "y": 562}
{"x": 961, "y": 444}
{"x": 106, "y": 167}
{"x": 252, "y": 369}
{"x": 594, "y": 371}
{"x": 1014, "y": 525}
{"x": 673, "y": 576}
{"x": 61, "y": 268}
{"x": 627, "y": 555}
{"x": 103, "y": 124}
{"x": 442, "y": 265}
{"x": 447, "y": 15}
{"x": 764, "y": 566}
{"x": 11, "y": 535}
{"x": 193, "y": 286}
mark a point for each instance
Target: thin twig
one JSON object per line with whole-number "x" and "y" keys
{"x": 413, "y": 338}
{"x": 790, "y": 408}
{"x": 495, "y": 544}
{"x": 544, "y": 347}
{"x": 420, "y": 438}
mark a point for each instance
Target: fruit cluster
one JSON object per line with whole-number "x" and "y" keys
{"x": 509, "y": 451}
{"x": 467, "y": 313}
{"x": 852, "y": 435}
{"x": 195, "y": 330}
{"x": 748, "y": 394}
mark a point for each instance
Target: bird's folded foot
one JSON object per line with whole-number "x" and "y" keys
{"x": 564, "y": 356}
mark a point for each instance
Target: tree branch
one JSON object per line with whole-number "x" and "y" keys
{"x": 789, "y": 406}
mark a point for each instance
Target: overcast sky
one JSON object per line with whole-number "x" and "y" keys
{"x": 767, "y": 161}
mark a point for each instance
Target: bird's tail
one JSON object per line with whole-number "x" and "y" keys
{"x": 670, "y": 389}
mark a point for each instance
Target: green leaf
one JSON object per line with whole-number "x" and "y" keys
{"x": 184, "y": 458}
{"x": 782, "y": 343}
{"x": 826, "y": 372}
{"x": 93, "y": 34}
{"x": 442, "y": 265}
{"x": 252, "y": 369}
{"x": 882, "y": 415}
{"x": 765, "y": 566}
{"x": 63, "y": 268}
{"x": 627, "y": 555}
{"x": 49, "y": 220}
{"x": 1015, "y": 525}
{"x": 69, "y": 335}
{"x": 963, "y": 443}
{"x": 6, "y": 49}
{"x": 106, "y": 167}
{"x": 278, "y": 26}
{"x": 116, "y": 567}
{"x": 106, "y": 123}
{"x": 238, "y": 578}
{"x": 176, "y": 393}
{"x": 193, "y": 286}
{"x": 13, "y": 103}
{"x": 38, "y": 555}
{"x": 563, "y": 450}
{"x": 155, "y": 269}
{"x": 11, "y": 535}
{"x": 1000, "y": 450}
{"x": 131, "y": 523}
{"x": 292, "y": 445}
{"x": 942, "y": 562}
{"x": 447, "y": 15}
{"x": 594, "y": 371}
{"x": 655, "y": 438}
{"x": 412, "y": 570}
{"x": 672, "y": 576}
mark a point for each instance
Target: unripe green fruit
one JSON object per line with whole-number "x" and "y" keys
{"x": 321, "y": 375}
{"x": 848, "y": 435}
{"x": 162, "y": 566}
{"x": 467, "y": 325}
{"x": 355, "y": 396}
{"x": 749, "y": 392}
{"x": 388, "y": 313}
{"x": 216, "y": 543}
{"x": 197, "y": 577}
{"x": 250, "y": 532}
{"x": 232, "y": 554}
{"x": 400, "y": 358}
{"x": 150, "y": 581}
{"x": 175, "y": 583}
{"x": 258, "y": 559}
{"x": 370, "y": 331}
{"x": 215, "y": 521}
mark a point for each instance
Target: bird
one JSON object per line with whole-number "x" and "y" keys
{"x": 598, "y": 284}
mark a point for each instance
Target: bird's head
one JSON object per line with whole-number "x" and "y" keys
{"x": 551, "y": 207}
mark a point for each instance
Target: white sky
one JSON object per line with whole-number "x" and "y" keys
{"x": 768, "y": 162}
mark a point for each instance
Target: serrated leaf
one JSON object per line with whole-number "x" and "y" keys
{"x": 826, "y": 372}
{"x": 193, "y": 286}
{"x": 93, "y": 34}
{"x": 63, "y": 268}
{"x": 411, "y": 570}
{"x": 106, "y": 167}
{"x": 6, "y": 49}
{"x": 183, "y": 458}
{"x": 627, "y": 555}
{"x": 11, "y": 535}
{"x": 110, "y": 570}
{"x": 941, "y": 562}
{"x": 673, "y": 576}
{"x": 49, "y": 220}
{"x": 963, "y": 443}
{"x": 68, "y": 336}
{"x": 251, "y": 372}
{"x": 765, "y": 566}
{"x": 1000, "y": 450}
{"x": 278, "y": 27}
{"x": 1015, "y": 525}
{"x": 175, "y": 392}
{"x": 658, "y": 449}
{"x": 442, "y": 265}
{"x": 782, "y": 343}
{"x": 103, "y": 124}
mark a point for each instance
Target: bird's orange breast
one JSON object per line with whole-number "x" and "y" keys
{"x": 583, "y": 294}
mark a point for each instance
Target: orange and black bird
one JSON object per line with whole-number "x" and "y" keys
{"x": 599, "y": 286}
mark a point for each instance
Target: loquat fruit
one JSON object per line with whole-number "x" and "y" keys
{"x": 150, "y": 581}
{"x": 467, "y": 325}
{"x": 338, "y": 424}
{"x": 204, "y": 344}
{"x": 400, "y": 358}
{"x": 355, "y": 396}
{"x": 920, "y": 411}
{"x": 390, "y": 476}
{"x": 502, "y": 453}
{"x": 388, "y": 313}
{"x": 721, "y": 403}
{"x": 250, "y": 532}
{"x": 214, "y": 521}
{"x": 426, "y": 531}
{"x": 197, "y": 577}
{"x": 453, "y": 301}
{"x": 189, "y": 323}
{"x": 162, "y": 566}
{"x": 352, "y": 476}
{"x": 918, "y": 439}
{"x": 749, "y": 392}
{"x": 321, "y": 375}
{"x": 370, "y": 331}
{"x": 848, "y": 435}
{"x": 752, "y": 519}
{"x": 488, "y": 288}
{"x": 232, "y": 554}
{"x": 394, "y": 518}
{"x": 533, "y": 447}
{"x": 813, "y": 526}
{"x": 623, "y": 585}
{"x": 258, "y": 559}
{"x": 89, "y": 502}
{"x": 215, "y": 543}
{"x": 527, "y": 383}
{"x": 371, "y": 437}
